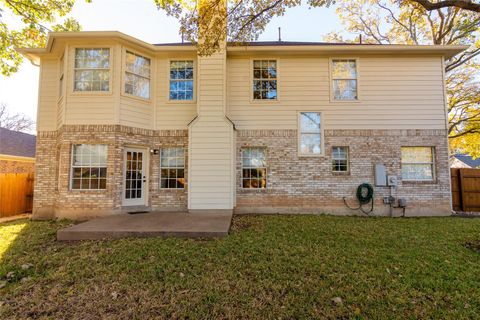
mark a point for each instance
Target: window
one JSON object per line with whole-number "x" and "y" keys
{"x": 137, "y": 75}
{"x": 344, "y": 77}
{"x": 254, "y": 168}
{"x": 310, "y": 133}
{"x": 417, "y": 163}
{"x": 264, "y": 79}
{"x": 92, "y": 69}
{"x": 89, "y": 167}
{"x": 340, "y": 159}
{"x": 172, "y": 165}
{"x": 181, "y": 80}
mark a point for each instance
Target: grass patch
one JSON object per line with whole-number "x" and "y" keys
{"x": 268, "y": 267}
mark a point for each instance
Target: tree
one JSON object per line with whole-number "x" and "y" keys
{"x": 461, "y": 4}
{"x": 25, "y": 23}
{"x": 388, "y": 21}
{"x": 15, "y": 122}
{"x": 245, "y": 19}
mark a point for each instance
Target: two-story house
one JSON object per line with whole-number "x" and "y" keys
{"x": 264, "y": 127}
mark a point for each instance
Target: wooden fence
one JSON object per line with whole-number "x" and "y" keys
{"x": 465, "y": 189}
{"x": 16, "y": 193}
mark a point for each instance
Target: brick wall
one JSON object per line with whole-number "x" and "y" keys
{"x": 53, "y": 197}
{"x": 294, "y": 185}
{"x": 307, "y": 184}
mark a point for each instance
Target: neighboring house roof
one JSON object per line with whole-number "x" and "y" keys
{"x": 14, "y": 143}
{"x": 465, "y": 158}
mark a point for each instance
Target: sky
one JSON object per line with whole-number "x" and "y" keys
{"x": 141, "y": 19}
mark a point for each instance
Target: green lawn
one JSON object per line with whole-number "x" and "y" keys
{"x": 268, "y": 267}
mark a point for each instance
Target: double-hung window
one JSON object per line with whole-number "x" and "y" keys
{"x": 254, "y": 168}
{"x": 264, "y": 79}
{"x": 172, "y": 168}
{"x": 340, "y": 159}
{"x": 137, "y": 75}
{"x": 181, "y": 80}
{"x": 92, "y": 69}
{"x": 344, "y": 79}
{"x": 310, "y": 134}
{"x": 418, "y": 163}
{"x": 89, "y": 167}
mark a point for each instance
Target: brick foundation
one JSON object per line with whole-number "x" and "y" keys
{"x": 294, "y": 185}
{"x": 307, "y": 184}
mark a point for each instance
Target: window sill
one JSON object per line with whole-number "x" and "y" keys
{"x": 265, "y": 101}
{"x": 344, "y": 101}
{"x": 256, "y": 190}
{"x": 419, "y": 182}
{"x": 340, "y": 173}
{"x": 172, "y": 189}
{"x": 307, "y": 156}
{"x": 91, "y": 93}
{"x": 133, "y": 97}
{"x": 194, "y": 101}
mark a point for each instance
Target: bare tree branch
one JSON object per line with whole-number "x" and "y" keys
{"x": 462, "y": 4}
{"x": 15, "y": 122}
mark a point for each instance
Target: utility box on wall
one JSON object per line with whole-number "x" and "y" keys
{"x": 380, "y": 175}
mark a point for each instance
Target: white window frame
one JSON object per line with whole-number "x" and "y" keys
{"x": 194, "y": 98}
{"x": 110, "y": 76}
{"x": 331, "y": 79}
{"x": 347, "y": 159}
{"x": 242, "y": 167}
{"x": 299, "y": 135}
{"x": 125, "y": 71}
{"x": 168, "y": 168}
{"x": 72, "y": 167}
{"x": 251, "y": 79}
{"x": 432, "y": 164}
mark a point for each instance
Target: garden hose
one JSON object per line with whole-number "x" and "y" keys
{"x": 364, "y": 196}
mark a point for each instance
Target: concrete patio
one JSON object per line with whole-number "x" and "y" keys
{"x": 151, "y": 224}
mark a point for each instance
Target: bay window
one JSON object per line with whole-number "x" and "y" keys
{"x": 92, "y": 69}
{"x": 137, "y": 75}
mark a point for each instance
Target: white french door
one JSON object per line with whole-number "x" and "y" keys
{"x": 135, "y": 177}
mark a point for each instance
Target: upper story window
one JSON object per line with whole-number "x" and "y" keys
{"x": 310, "y": 133}
{"x": 418, "y": 163}
{"x": 89, "y": 167}
{"x": 137, "y": 75}
{"x": 92, "y": 69}
{"x": 264, "y": 79}
{"x": 181, "y": 80}
{"x": 344, "y": 78}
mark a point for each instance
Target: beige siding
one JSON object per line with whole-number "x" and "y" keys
{"x": 93, "y": 107}
{"x": 211, "y": 141}
{"x": 395, "y": 93}
{"x": 48, "y": 95}
{"x": 171, "y": 115}
{"x": 136, "y": 113}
